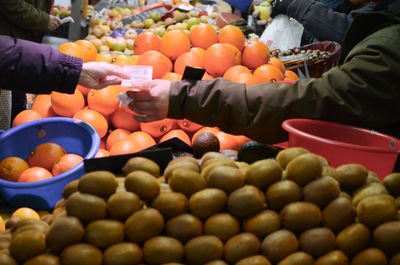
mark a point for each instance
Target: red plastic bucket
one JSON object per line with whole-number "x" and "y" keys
{"x": 342, "y": 144}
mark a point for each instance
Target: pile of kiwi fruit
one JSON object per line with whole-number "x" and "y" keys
{"x": 292, "y": 210}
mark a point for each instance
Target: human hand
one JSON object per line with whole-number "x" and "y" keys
{"x": 279, "y": 7}
{"x": 98, "y": 75}
{"x": 54, "y": 22}
{"x": 151, "y": 101}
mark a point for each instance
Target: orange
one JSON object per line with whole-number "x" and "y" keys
{"x": 45, "y": 155}
{"x": 203, "y": 36}
{"x": 218, "y": 58}
{"x": 102, "y": 153}
{"x": 246, "y": 78}
{"x": 188, "y": 126}
{"x": 232, "y": 35}
{"x": 133, "y": 59}
{"x": 11, "y": 167}
{"x": 71, "y": 48}
{"x": 25, "y": 213}
{"x": 2, "y": 224}
{"x": 161, "y": 64}
{"x": 158, "y": 128}
{"x": 278, "y": 63}
{"x": 122, "y": 119}
{"x": 290, "y": 75}
{"x": 42, "y": 105}
{"x": 238, "y": 54}
{"x": 121, "y": 60}
{"x": 83, "y": 89}
{"x": 146, "y": 41}
{"x": 142, "y": 140}
{"x": 207, "y": 76}
{"x": 172, "y": 76}
{"x": 199, "y": 51}
{"x": 67, "y": 104}
{"x": 95, "y": 119}
{"x": 66, "y": 162}
{"x": 241, "y": 139}
{"x": 213, "y": 130}
{"x": 226, "y": 141}
{"x": 123, "y": 147}
{"x": 34, "y": 174}
{"x": 236, "y": 70}
{"x": 116, "y": 136}
{"x": 255, "y": 54}
{"x": 176, "y": 133}
{"x": 102, "y": 144}
{"x": 104, "y": 100}
{"x": 104, "y": 58}
{"x": 268, "y": 73}
{"x": 174, "y": 43}
{"x": 187, "y": 59}
{"x": 26, "y": 116}
{"x": 89, "y": 50}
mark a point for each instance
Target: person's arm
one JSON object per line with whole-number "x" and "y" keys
{"x": 25, "y": 15}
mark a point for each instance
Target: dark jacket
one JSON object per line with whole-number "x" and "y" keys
{"x": 24, "y": 19}
{"x": 36, "y": 68}
{"x": 322, "y": 23}
{"x": 364, "y": 91}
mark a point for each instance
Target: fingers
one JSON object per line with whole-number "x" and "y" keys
{"x": 111, "y": 82}
{"x": 141, "y": 95}
{"x": 116, "y": 70}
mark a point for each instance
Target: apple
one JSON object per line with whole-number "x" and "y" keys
{"x": 126, "y": 12}
{"x": 160, "y": 31}
{"x": 96, "y": 31}
{"x": 202, "y": 13}
{"x": 104, "y": 48}
{"x": 204, "y": 19}
{"x": 97, "y": 43}
{"x": 129, "y": 44}
{"x": 116, "y": 24}
{"x": 148, "y": 23}
{"x": 130, "y": 34}
{"x": 90, "y": 37}
{"x": 155, "y": 16}
{"x": 192, "y": 21}
{"x": 169, "y": 21}
{"x": 118, "y": 44}
{"x": 107, "y": 32}
{"x": 171, "y": 27}
{"x": 137, "y": 24}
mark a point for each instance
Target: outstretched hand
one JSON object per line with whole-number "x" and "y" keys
{"x": 54, "y": 23}
{"x": 98, "y": 75}
{"x": 150, "y": 100}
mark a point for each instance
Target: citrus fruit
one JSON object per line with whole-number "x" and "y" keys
{"x": 25, "y": 213}
{"x": 34, "y": 174}
{"x": 66, "y": 162}
{"x": 26, "y": 116}
{"x": 45, "y": 155}
{"x": 11, "y": 167}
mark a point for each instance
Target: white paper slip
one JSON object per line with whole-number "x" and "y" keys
{"x": 67, "y": 19}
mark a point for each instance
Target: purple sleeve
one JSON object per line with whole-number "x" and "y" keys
{"x": 36, "y": 68}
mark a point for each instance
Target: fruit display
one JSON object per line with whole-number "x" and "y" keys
{"x": 294, "y": 209}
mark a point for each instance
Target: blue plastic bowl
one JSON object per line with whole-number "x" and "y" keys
{"x": 75, "y": 136}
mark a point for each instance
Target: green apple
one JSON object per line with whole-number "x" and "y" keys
{"x": 130, "y": 34}
{"x": 148, "y": 23}
{"x": 155, "y": 16}
{"x": 103, "y": 48}
{"x": 192, "y": 21}
{"x": 129, "y": 44}
{"x": 204, "y": 19}
{"x": 118, "y": 44}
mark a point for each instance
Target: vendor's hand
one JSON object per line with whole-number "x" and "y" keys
{"x": 54, "y": 22}
{"x": 279, "y": 7}
{"x": 151, "y": 101}
{"x": 98, "y": 75}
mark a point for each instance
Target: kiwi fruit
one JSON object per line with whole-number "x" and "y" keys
{"x": 368, "y": 190}
{"x": 392, "y": 184}
{"x": 372, "y": 178}
{"x": 221, "y": 225}
{"x": 186, "y": 181}
{"x": 162, "y": 249}
{"x": 387, "y": 237}
{"x": 205, "y": 142}
{"x": 339, "y": 214}
{"x": 352, "y": 176}
{"x": 335, "y": 257}
{"x": 328, "y": 171}
{"x": 254, "y": 260}
{"x": 225, "y": 178}
{"x": 86, "y": 207}
{"x": 395, "y": 260}
{"x": 370, "y": 256}
{"x": 321, "y": 191}
{"x": 207, "y": 202}
{"x": 287, "y": 155}
{"x": 82, "y": 254}
{"x": 304, "y": 169}
{"x": 317, "y": 241}
{"x": 141, "y": 163}
{"x": 376, "y": 209}
{"x": 203, "y": 249}
{"x": 210, "y": 155}
{"x": 144, "y": 224}
{"x": 28, "y": 223}
{"x": 182, "y": 163}
{"x": 345, "y": 195}
{"x": 123, "y": 204}
{"x": 281, "y": 193}
{"x": 64, "y": 231}
{"x": 58, "y": 212}
{"x": 44, "y": 228}
{"x": 36, "y": 241}
{"x": 297, "y": 258}
{"x": 70, "y": 188}
{"x": 104, "y": 233}
{"x": 263, "y": 173}
{"x": 279, "y": 244}
{"x": 170, "y": 204}
{"x": 216, "y": 262}
{"x": 184, "y": 227}
{"x": 184, "y": 158}
{"x": 43, "y": 259}
{"x": 6, "y": 259}
{"x": 301, "y": 216}
{"x": 353, "y": 239}
{"x": 241, "y": 246}
{"x": 122, "y": 254}
{"x": 246, "y": 201}
{"x": 262, "y": 223}
{"x": 100, "y": 183}
{"x": 143, "y": 184}
{"x": 215, "y": 162}
{"x": 242, "y": 166}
